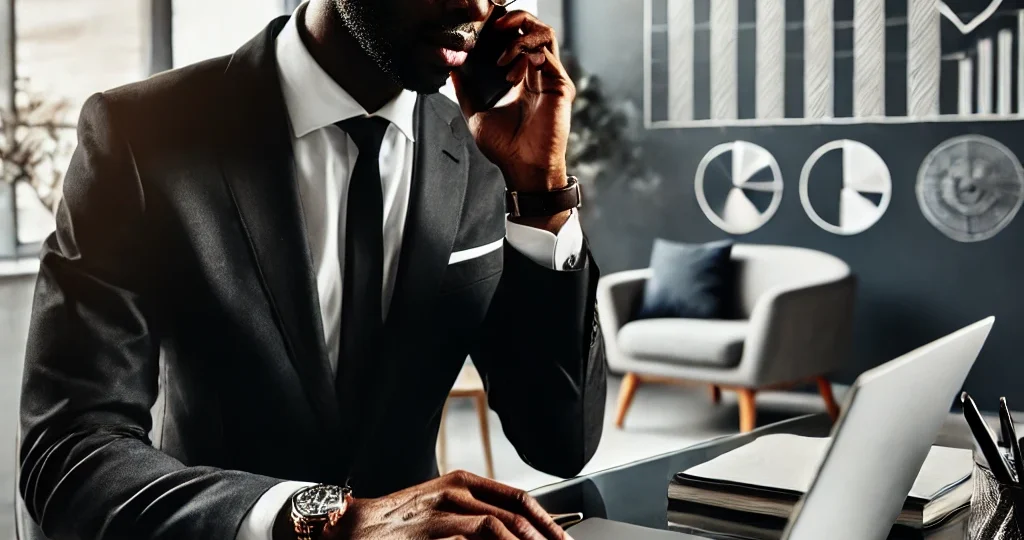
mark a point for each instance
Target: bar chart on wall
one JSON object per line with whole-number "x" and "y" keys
{"x": 724, "y": 63}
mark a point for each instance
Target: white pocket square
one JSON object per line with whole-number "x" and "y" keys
{"x": 472, "y": 253}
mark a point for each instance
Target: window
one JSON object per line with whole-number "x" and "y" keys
{"x": 66, "y": 50}
{"x": 71, "y": 49}
{"x": 205, "y": 29}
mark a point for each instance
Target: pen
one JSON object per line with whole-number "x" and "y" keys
{"x": 986, "y": 442}
{"x": 565, "y": 520}
{"x": 1010, "y": 434}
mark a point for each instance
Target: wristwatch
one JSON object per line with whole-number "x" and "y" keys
{"x": 544, "y": 203}
{"x": 317, "y": 509}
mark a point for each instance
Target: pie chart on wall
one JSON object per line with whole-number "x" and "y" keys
{"x": 845, "y": 187}
{"x": 738, "y": 186}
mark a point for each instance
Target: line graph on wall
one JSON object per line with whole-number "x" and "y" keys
{"x": 722, "y": 63}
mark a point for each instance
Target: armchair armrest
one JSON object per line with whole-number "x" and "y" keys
{"x": 798, "y": 332}
{"x": 617, "y": 293}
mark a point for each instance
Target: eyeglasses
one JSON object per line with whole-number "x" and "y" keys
{"x": 502, "y": 3}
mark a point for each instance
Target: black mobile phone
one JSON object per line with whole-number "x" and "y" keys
{"x": 484, "y": 81}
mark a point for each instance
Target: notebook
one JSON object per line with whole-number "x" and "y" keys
{"x": 769, "y": 475}
{"x": 710, "y": 522}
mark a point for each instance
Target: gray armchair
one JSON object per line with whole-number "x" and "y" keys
{"x": 795, "y": 309}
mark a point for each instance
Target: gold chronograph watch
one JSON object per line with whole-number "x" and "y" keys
{"x": 317, "y": 509}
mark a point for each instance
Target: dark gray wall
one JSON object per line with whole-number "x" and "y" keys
{"x": 915, "y": 284}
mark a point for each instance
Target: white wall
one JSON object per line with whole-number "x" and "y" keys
{"x": 528, "y": 5}
{"x": 205, "y": 29}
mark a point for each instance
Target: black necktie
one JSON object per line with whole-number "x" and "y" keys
{"x": 363, "y": 246}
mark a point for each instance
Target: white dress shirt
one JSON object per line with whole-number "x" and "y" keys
{"x": 324, "y": 157}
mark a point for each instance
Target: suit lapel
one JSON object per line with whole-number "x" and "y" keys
{"x": 258, "y": 165}
{"x": 440, "y": 174}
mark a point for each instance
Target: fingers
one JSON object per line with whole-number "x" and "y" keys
{"x": 534, "y": 75}
{"x": 542, "y": 73}
{"x": 528, "y": 23}
{"x": 517, "y": 72}
{"x": 547, "y": 76}
{"x": 461, "y": 502}
{"x": 532, "y": 58}
{"x": 471, "y": 527}
{"x": 515, "y": 501}
{"x": 521, "y": 503}
{"x": 526, "y": 44}
{"x": 555, "y": 78}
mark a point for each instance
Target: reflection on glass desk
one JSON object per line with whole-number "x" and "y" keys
{"x": 637, "y": 493}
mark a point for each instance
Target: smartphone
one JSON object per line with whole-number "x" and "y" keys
{"x": 484, "y": 81}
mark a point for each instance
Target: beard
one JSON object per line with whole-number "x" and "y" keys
{"x": 367, "y": 22}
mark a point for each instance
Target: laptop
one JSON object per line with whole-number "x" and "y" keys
{"x": 890, "y": 419}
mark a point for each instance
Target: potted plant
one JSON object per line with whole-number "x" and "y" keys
{"x": 604, "y": 149}
{"x": 31, "y": 152}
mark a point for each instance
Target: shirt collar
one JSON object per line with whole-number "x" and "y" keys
{"x": 312, "y": 97}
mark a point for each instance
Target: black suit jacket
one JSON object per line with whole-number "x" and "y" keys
{"x": 180, "y": 263}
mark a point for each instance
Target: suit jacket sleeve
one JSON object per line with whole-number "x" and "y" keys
{"x": 542, "y": 358}
{"x": 88, "y": 469}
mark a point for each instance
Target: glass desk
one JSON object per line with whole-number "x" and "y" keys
{"x": 637, "y": 493}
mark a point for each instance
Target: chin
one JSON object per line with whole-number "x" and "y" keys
{"x": 424, "y": 81}
{"x": 425, "y": 86}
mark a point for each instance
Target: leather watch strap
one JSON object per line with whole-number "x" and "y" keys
{"x": 544, "y": 203}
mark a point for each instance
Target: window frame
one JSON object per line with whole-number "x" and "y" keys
{"x": 8, "y": 75}
{"x": 159, "y": 58}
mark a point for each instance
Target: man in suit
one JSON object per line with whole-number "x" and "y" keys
{"x": 297, "y": 247}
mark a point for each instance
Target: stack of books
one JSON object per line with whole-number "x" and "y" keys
{"x": 750, "y": 492}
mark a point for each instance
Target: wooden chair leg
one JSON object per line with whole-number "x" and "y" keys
{"x": 442, "y": 442}
{"x": 485, "y": 432}
{"x": 748, "y": 410}
{"x": 825, "y": 389}
{"x": 716, "y": 394}
{"x": 626, "y": 393}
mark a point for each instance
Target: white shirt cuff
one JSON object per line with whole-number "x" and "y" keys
{"x": 544, "y": 247}
{"x": 259, "y": 522}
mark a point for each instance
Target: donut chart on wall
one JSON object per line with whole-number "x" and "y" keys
{"x": 738, "y": 186}
{"x": 970, "y": 187}
{"x": 845, "y": 187}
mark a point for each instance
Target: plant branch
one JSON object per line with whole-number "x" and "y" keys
{"x": 31, "y": 144}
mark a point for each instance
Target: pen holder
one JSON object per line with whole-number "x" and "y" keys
{"x": 994, "y": 507}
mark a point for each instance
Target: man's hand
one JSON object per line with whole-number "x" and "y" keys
{"x": 457, "y": 505}
{"x": 527, "y": 136}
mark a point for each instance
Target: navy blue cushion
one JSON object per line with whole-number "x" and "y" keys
{"x": 691, "y": 281}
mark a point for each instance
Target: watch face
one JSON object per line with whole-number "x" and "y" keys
{"x": 316, "y": 501}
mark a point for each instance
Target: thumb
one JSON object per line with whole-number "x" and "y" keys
{"x": 460, "y": 93}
